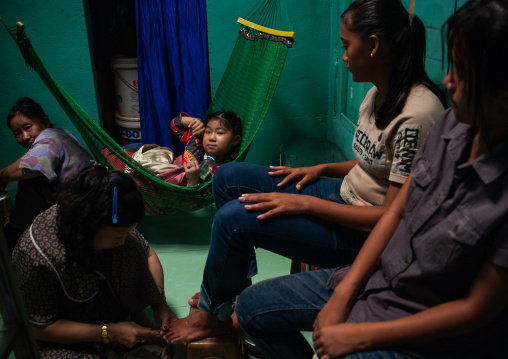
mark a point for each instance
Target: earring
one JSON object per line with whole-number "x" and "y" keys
{"x": 371, "y": 55}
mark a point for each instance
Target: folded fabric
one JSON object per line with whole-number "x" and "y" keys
{"x": 154, "y": 158}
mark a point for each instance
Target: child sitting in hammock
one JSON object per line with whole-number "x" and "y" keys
{"x": 218, "y": 136}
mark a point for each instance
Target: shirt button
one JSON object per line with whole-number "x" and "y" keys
{"x": 436, "y": 203}
{"x": 406, "y": 259}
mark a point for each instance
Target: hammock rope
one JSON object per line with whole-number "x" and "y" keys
{"x": 247, "y": 88}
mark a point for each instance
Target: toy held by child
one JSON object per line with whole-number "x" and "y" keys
{"x": 209, "y": 144}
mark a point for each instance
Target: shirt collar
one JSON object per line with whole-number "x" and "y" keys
{"x": 489, "y": 166}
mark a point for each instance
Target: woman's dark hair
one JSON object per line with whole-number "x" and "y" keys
{"x": 476, "y": 36}
{"x": 404, "y": 34}
{"x": 231, "y": 121}
{"x": 28, "y": 108}
{"x": 85, "y": 206}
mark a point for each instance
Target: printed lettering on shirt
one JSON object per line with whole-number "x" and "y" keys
{"x": 407, "y": 144}
{"x": 348, "y": 196}
{"x": 369, "y": 151}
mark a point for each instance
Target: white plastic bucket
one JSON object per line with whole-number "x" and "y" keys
{"x": 130, "y": 129}
{"x": 126, "y": 85}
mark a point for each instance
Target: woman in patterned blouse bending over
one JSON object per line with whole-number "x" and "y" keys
{"x": 87, "y": 275}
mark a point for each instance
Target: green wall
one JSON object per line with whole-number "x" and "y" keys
{"x": 300, "y": 104}
{"x": 58, "y": 33}
{"x": 316, "y": 97}
{"x": 310, "y": 100}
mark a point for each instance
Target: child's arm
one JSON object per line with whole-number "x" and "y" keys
{"x": 195, "y": 125}
{"x": 192, "y": 173}
{"x": 185, "y": 126}
{"x": 179, "y": 129}
{"x": 191, "y": 139}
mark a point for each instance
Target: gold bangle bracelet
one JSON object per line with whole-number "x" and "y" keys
{"x": 105, "y": 337}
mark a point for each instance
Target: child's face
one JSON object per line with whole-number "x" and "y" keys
{"x": 26, "y": 130}
{"x": 218, "y": 140}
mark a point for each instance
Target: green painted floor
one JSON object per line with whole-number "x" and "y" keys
{"x": 181, "y": 241}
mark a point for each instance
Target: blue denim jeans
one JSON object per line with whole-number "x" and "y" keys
{"x": 273, "y": 313}
{"x": 236, "y": 233}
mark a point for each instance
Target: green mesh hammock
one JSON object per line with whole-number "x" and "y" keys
{"x": 247, "y": 88}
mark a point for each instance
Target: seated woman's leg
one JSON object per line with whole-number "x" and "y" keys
{"x": 273, "y": 312}
{"x": 236, "y": 178}
{"x": 235, "y": 234}
{"x": 233, "y": 179}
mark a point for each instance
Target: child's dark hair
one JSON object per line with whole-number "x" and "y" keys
{"x": 85, "y": 206}
{"x": 28, "y": 108}
{"x": 228, "y": 119}
{"x": 405, "y": 36}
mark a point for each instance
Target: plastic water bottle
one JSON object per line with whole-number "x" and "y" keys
{"x": 205, "y": 168}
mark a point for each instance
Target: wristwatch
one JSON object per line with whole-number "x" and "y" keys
{"x": 105, "y": 337}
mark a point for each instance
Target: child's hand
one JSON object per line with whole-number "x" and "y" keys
{"x": 192, "y": 173}
{"x": 196, "y": 127}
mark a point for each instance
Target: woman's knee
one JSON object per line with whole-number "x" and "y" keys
{"x": 233, "y": 221}
{"x": 229, "y": 170}
{"x": 232, "y": 214}
{"x": 246, "y": 304}
{"x": 220, "y": 175}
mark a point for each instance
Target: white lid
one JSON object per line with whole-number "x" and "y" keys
{"x": 125, "y": 118}
{"x": 124, "y": 62}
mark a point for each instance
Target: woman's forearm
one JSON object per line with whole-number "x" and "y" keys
{"x": 155, "y": 267}
{"x": 366, "y": 261}
{"x": 68, "y": 332}
{"x": 487, "y": 298}
{"x": 362, "y": 218}
{"x": 337, "y": 170}
{"x": 14, "y": 173}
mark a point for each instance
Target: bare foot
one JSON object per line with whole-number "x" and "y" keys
{"x": 233, "y": 317}
{"x": 198, "y": 325}
{"x": 193, "y": 301}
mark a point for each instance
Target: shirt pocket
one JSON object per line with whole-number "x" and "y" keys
{"x": 422, "y": 177}
{"x": 452, "y": 243}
